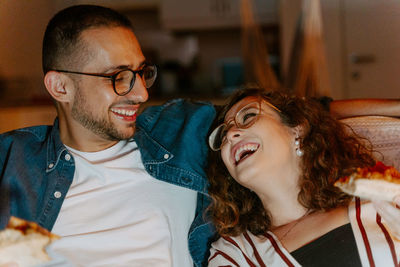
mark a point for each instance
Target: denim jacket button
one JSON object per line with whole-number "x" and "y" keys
{"x": 51, "y": 165}
{"x": 57, "y": 194}
{"x": 166, "y": 156}
{"x": 67, "y": 157}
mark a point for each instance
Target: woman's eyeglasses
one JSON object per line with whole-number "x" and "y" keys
{"x": 244, "y": 118}
{"x": 124, "y": 80}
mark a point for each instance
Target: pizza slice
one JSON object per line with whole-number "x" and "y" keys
{"x": 377, "y": 182}
{"x": 24, "y": 242}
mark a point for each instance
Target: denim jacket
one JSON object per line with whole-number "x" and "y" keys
{"x": 36, "y": 169}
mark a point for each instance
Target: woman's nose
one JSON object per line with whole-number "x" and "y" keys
{"x": 233, "y": 132}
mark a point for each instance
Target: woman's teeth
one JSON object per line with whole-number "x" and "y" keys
{"x": 245, "y": 150}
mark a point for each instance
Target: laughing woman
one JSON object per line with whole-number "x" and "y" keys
{"x": 275, "y": 160}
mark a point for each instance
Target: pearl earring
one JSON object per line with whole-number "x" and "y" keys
{"x": 299, "y": 151}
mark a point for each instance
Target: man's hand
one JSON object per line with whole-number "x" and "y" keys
{"x": 390, "y": 212}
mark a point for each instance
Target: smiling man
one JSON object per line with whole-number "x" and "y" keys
{"x": 118, "y": 188}
{"x": 97, "y": 105}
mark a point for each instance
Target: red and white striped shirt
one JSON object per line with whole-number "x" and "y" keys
{"x": 375, "y": 244}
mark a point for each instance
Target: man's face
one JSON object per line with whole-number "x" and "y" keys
{"x": 95, "y": 105}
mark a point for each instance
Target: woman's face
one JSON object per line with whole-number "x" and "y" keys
{"x": 265, "y": 149}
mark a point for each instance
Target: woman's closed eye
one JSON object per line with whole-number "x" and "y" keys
{"x": 248, "y": 117}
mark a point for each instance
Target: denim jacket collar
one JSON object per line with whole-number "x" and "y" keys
{"x": 55, "y": 147}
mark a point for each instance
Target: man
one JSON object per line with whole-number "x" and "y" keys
{"x": 119, "y": 191}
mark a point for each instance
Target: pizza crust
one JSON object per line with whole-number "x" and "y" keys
{"x": 370, "y": 189}
{"x": 378, "y": 182}
{"x": 24, "y": 242}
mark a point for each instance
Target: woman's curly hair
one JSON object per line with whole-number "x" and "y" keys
{"x": 331, "y": 150}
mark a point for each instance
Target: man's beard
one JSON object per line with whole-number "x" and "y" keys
{"x": 99, "y": 126}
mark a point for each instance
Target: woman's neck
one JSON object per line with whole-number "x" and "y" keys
{"x": 283, "y": 207}
{"x": 286, "y": 212}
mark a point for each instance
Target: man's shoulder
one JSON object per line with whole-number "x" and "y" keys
{"x": 179, "y": 121}
{"x": 173, "y": 136}
{"x": 174, "y": 112}
{"x": 24, "y": 140}
{"x": 34, "y": 133}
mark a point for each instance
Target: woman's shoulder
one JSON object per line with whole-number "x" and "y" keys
{"x": 250, "y": 250}
{"x": 238, "y": 250}
{"x": 240, "y": 241}
{"x": 229, "y": 250}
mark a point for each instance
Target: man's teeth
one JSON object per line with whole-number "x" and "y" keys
{"x": 248, "y": 147}
{"x": 124, "y": 112}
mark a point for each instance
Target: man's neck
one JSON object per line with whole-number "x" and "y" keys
{"x": 82, "y": 139}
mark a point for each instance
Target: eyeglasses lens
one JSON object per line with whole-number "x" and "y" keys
{"x": 245, "y": 117}
{"x": 216, "y": 137}
{"x": 125, "y": 79}
{"x": 149, "y": 75}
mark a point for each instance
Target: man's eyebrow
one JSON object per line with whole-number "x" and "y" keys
{"x": 124, "y": 67}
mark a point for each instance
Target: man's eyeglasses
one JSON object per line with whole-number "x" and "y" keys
{"x": 244, "y": 118}
{"x": 124, "y": 80}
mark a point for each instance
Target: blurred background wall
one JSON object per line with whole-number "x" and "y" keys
{"x": 197, "y": 47}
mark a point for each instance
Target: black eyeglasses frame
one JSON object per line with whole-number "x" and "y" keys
{"x": 112, "y": 76}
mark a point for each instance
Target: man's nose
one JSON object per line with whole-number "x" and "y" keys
{"x": 139, "y": 91}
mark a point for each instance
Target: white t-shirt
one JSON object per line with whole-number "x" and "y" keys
{"x": 116, "y": 214}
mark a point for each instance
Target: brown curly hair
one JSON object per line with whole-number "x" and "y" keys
{"x": 330, "y": 151}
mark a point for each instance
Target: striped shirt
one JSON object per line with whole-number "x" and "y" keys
{"x": 375, "y": 244}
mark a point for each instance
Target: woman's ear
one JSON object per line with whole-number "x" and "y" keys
{"x": 58, "y": 85}
{"x": 298, "y": 135}
{"x": 298, "y": 131}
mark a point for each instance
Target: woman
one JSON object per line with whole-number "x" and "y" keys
{"x": 274, "y": 203}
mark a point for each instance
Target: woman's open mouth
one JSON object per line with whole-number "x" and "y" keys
{"x": 244, "y": 152}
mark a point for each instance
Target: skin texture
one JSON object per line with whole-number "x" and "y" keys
{"x": 90, "y": 113}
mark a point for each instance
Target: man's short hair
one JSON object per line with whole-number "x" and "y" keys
{"x": 61, "y": 46}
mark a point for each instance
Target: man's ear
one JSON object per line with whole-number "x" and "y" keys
{"x": 58, "y": 85}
